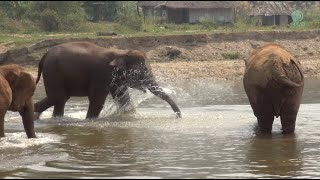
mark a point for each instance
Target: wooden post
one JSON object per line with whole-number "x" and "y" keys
{"x": 234, "y": 15}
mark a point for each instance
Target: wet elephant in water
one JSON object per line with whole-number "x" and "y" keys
{"x": 85, "y": 69}
{"x": 273, "y": 81}
{"x": 16, "y": 90}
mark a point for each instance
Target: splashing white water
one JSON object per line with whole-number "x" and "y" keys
{"x": 137, "y": 97}
{"x": 20, "y": 140}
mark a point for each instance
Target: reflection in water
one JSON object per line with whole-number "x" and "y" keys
{"x": 274, "y": 156}
{"x": 95, "y": 151}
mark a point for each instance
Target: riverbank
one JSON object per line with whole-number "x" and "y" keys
{"x": 222, "y": 70}
{"x": 218, "y": 56}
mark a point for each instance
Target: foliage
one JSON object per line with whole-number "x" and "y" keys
{"x": 49, "y": 15}
{"x": 312, "y": 16}
{"x": 50, "y": 20}
{"x": 231, "y": 55}
{"x": 15, "y": 9}
{"x": 101, "y": 10}
{"x": 59, "y": 15}
{"x": 207, "y": 24}
{"x": 123, "y": 18}
{"x": 129, "y": 16}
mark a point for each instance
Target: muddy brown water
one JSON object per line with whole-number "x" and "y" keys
{"x": 214, "y": 139}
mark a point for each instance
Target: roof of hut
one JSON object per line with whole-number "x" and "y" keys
{"x": 269, "y": 8}
{"x": 189, "y": 4}
{"x": 150, "y": 3}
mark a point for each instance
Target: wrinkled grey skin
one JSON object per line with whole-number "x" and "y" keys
{"x": 85, "y": 69}
{"x": 274, "y": 82}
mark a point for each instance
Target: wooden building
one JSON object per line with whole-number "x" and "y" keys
{"x": 149, "y": 8}
{"x": 272, "y": 13}
{"x": 190, "y": 11}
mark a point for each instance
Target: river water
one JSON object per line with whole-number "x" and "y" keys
{"x": 214, "y": 139}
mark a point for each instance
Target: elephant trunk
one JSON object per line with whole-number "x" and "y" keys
{"x": 28, "y": 119}
{"x": 156, "y": 90}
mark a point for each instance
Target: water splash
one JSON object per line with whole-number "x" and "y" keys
{"x": 137, "y": 97}
{"x": 20, "y": 140}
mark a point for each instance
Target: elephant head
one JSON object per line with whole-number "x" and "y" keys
{"x": 22, "y": 86}
{"x": 133, "y": 70}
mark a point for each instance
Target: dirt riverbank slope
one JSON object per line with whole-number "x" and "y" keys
{"x": 192, "y": 56}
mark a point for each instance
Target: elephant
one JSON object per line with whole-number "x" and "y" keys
{"x": 16, "y": 91}
{"x": 273, "y": 81}
{"x": 82, "y": 68}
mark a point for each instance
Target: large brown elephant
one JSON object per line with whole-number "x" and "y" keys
{"x": 273, "y": 81}
{"x": 85, "y": 69}
{"x": 16, "y": 90}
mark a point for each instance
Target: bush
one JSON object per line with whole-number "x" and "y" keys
{"x": 313, "y": 24}
{"x": 134, "y": 23}
{"x": 231, "y": 55}
{"x": 128, "y": 16}
{"x": 47, "y": 15}
{"x": 50, "y": 20}
{"x": 10, "y": 26}
{"x": 73, "y": 22}
{"x": 207, "y": 24}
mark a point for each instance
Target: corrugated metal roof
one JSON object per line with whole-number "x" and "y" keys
{"x": 189, "y": 4}
{"x": 269, "y": 8}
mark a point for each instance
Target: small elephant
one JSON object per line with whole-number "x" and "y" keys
{"x": 16, "y": 90}
{"x": 274, "y": 82}
{"x": 85, "y": 69}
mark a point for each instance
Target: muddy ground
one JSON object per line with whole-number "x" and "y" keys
{"x": 192, "y": 56}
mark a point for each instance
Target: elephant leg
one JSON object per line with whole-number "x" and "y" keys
{"x": 28, "y": 118}
{"x": 59, "y": 105}
{"x": 97, "y": 96}
{"x": 2, "y": 115}
{"x": 122, "y": 98}
{"x": 289, "y": 113}
{"x": 265, "y": 123}
{"x": 95, "y": 107}
{"x": 41, "y": 106}
{"x": 288, "y": 123}
{"x": 261, "y": 104}
{"x": 4, "y": 106}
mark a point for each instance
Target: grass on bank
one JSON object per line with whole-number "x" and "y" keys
{"x": 27, "y": 34}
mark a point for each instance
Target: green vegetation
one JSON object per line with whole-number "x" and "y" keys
{"x": 231, "y": 55}
{"x": 26, "y": 22}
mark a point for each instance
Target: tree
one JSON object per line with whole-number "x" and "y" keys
{"x": 58, "y": 15}
{"x": 101, "y": 10}
{"x": 15, "y": 9}
{"x": 129, "y": 16}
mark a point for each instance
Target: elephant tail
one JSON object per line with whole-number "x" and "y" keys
{"x": 40, "y": 67}
{"x": 283, "y": 79}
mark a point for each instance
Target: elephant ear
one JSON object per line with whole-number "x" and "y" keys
{"x": 25, "y": 83}
{"x": 119, "y": 62}
{"x": 11, "y": 77}
{"x": 25, "y": 79}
